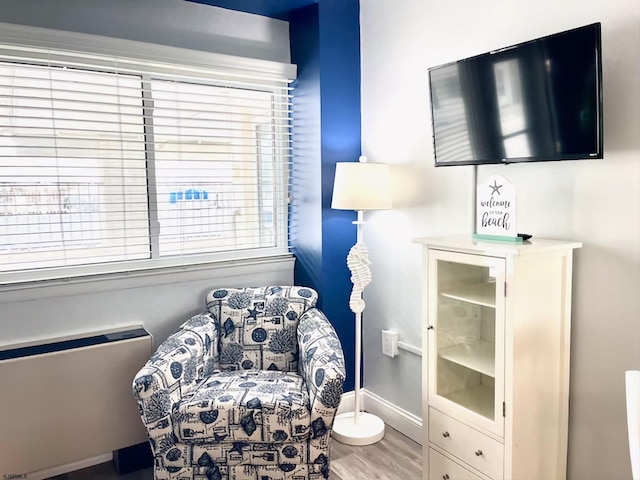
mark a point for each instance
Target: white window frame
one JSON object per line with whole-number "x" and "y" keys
{"x": 163, "y": 60}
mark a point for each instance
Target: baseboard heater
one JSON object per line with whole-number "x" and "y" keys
{"x": 69, "y": 399}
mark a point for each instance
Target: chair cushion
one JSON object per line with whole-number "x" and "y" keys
{"x": 255, "y": 406}
{"x": 257, "y": 326}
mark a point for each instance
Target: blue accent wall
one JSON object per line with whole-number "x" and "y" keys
{"x": 280, "y": 9}
{"x": 305, "y": 225}
{"x": 325, "y": 44}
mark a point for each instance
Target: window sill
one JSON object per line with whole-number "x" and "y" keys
{"x": 231, "y": 269}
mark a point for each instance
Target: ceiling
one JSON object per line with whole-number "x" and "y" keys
{"x": 279, "y": 9}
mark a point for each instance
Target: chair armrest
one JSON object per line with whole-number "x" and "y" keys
{"x": 171, "y": 373}
{"x": 322, "y": 367}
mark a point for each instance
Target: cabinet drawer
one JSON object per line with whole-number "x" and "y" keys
{"x": 441, "y": 468}
{"x": 472, "y": 447}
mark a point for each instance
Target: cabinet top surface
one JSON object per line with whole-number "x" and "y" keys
{"x": 466, "y": 243}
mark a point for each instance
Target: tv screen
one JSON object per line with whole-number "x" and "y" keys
{"x": 536, "y": 101}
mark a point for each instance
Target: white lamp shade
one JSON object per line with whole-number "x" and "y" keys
{"x": 361, "y": 186}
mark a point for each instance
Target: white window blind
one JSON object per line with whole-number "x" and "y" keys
{"x": 111, "y": 164}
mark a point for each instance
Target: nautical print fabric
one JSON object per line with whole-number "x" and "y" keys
{"x": 245, "y": 472}
{"x": 222, "y": 420}
{"x": 256, "y": 406}
{"x": 171, "y": 373}
{"x": 258, "y": 326}
{"x": 323, "y": 370}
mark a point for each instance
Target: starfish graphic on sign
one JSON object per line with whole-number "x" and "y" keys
{"x": 495, "y": 188}
{"x": 496, "y": 210}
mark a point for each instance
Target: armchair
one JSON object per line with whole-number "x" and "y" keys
{"x": 247, "y": 390}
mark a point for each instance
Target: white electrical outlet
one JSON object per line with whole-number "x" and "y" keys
{"x": 389, "y": 343}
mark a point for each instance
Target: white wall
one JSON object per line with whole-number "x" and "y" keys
{"x": 596, "y": 202}
{"x": 159, "y": 301}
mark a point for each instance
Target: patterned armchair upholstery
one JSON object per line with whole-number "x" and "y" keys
{"x": 246, "y": 390}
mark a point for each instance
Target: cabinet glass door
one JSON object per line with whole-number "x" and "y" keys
{"x": 466, "y": 337}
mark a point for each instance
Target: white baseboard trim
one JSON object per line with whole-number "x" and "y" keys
{"x": 70, "y": 467}
{"x": 347, "y": 402}
{"x": 405, "y": 422}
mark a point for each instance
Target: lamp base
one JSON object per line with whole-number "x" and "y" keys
{"x": 368, "y": 430}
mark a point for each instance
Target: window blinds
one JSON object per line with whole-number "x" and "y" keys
{"x": 111, "y": 164}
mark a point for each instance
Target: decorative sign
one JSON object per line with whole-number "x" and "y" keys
{"x": 496, "y": 209}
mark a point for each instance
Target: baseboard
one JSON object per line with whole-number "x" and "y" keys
{"x": 70, "y": 467}
{"x": 405, "y": 422}
{"x": 347, "y": 402}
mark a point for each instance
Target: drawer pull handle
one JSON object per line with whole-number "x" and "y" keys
{"x": 478, "y": 453}
{"x": 445, "y": 477}
{"x": 445, "y": 434}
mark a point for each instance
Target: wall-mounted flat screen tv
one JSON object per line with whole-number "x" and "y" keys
{"x": 536, "y": 101}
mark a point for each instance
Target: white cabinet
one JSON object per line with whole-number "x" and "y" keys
{"x": 496, "y": 344}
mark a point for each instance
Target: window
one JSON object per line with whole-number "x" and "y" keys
{"x": 108, "y": 165}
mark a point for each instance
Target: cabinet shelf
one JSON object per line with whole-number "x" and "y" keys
{"x": 478, "y": 356}
{"x": 477, "y": 293}
{"x": 479, "y": 399}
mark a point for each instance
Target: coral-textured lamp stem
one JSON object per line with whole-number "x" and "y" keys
{"x": 359, "y": 186}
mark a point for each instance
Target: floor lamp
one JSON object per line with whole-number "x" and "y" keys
{"x": 359, "y": 186}
{"x": 632, "y": 382}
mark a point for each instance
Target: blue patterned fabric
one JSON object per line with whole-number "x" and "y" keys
{"x": 323, "y": 372}
{"x": 247, "y": 390}
{"x": 258, "y": 326}
{"x": 256, "y": 406}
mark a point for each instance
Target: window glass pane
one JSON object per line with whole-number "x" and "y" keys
{"x": 100, "y": 168}
{"x": 72, "y": 168}
{"x": 214, "y": 167}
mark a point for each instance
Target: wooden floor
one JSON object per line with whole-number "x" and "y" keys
{"x": 395, "y": 457}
